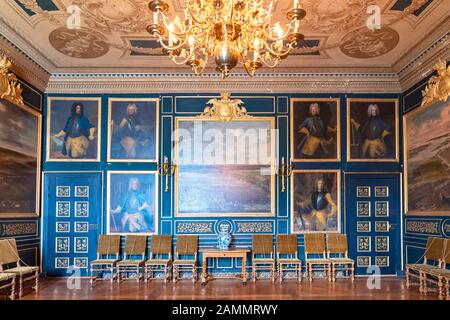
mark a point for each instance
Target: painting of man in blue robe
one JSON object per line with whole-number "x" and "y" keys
{"x": 132, "y": 209}
{"x": 73, "y": 136}
{"x": 373, "y": 136}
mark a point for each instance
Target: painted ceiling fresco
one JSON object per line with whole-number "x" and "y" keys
{"x": 112, "y": 33}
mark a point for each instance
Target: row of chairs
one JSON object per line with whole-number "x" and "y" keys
{"x": 329, "y": 257}
{"x": 12, "y": 269}
{"x": 433, "y": 270}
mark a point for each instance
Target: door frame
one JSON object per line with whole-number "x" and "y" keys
{"x": 44, "y": 206}
{"x": 400, "y": 264}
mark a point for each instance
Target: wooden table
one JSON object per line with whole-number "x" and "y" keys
{"x": 231, "y": 252}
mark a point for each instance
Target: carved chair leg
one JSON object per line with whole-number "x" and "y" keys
{"x": 20, "y": 286}
{"x": 194, "y": 274}
{"x": 310, "y": 271}
{"x": 353, "y": 272}
{"x": 280, "y": 273}
{"x": 13, "y": 288}
{"x": 440, "y": 287}
{"x": 118, "y": 274}
{"x": 36, "y": 281}
{"x": 407, "y": 278}
{"x": 272, "y": 273}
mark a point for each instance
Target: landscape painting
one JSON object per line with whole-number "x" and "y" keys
{"x": 315, "y": 201}
{"x": 132, "y": 202}
{"x": 73, "y": 129}
{"x": 133, "y": 129}
{"x": 427, "y": 159}
{"x": 224, "y": 168}
{"x": 20, "y": 148}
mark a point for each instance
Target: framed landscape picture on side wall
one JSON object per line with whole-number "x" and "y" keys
{"x": 427, "y": 159}
{"x": 20, "y": 159}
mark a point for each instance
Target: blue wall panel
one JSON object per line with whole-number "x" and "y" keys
{"x": 277, "y": 106}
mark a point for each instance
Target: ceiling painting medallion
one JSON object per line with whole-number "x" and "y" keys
{"x": 79, "y": 43}
{"x": 364, "y": 43}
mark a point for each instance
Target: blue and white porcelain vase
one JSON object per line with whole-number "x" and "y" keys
{"x": 224, "y": 237}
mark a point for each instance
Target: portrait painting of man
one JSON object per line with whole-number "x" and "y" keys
{"x": 132, "y": 199}
{"x": 73, "y": 131}
{"x": 315, "y": 201}
{"x": 315, "y": 129}
{"x": 133, "y": 129}
{"x": 372, "y": 130}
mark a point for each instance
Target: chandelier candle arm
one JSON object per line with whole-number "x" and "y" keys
{"x": 228, "y": 31}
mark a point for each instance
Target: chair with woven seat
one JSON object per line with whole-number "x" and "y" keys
{"x": 160, "y": 257}
{"x": 315, "y": 255}
{"x": 8, "y": 280}
{"x": 337, "y": 249}
{"x": 186, "y": 246}
{"x": 108, "y": 249}
{"x": 287, "y": 256}
{"x": 9, "y": 255}
{"x": 133, "y": 257}
{"x": 263, "y": 255}
{"x": 431, "y": 260}
{"x": 440, "y": 275}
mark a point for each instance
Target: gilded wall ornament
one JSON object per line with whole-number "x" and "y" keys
{"x": 10, "y": 89}
{"x": 224, "y": 109}
{"x": 438, "y": 87}
{"x": 79, "y": 43}
{"x": 364, "y": 43}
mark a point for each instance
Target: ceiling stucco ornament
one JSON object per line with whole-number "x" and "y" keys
{"x": 79, "y": 43}
{"x": 364, "y": 43}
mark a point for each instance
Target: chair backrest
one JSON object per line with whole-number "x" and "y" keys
{"x": 337, "y": 243}
{"x": 434, "y": 249}
{"x": 135, "y": 245}
{"x": 446, "y": 253}
{"x": 108, "y": 244}
{"x": 8, "y": 251}
{"x": 187, "y": 245}
{"x": 287, "y": 244}
{"x": 314, "y": 243}
{"x": 262, "y": 244}
{"x": 161, "y": 244}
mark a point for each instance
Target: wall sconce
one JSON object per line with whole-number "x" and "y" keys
{"x": 286, "y": 171}
{"x": 166, "y": 170}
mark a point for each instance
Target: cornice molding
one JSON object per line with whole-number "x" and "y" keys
{"x": 166, "y": 83}
{"x": 24, "y": 66}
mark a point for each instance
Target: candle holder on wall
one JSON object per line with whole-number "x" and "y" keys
{"x": 166, "y": 170}
{"x": 285, "y": 172}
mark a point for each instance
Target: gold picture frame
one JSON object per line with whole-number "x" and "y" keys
{"x": 110, "y": 101}
{"x": 248, "y": 118}
{"x": 38, "y": 116}
{"x": 407, "y": 117}
{"x": 369, "y": 100}
{"x": 108, "y": 200}
{"x": 338, "y": 127}
{"x": 50, "y": 100}
{"x": 338, "y": 199}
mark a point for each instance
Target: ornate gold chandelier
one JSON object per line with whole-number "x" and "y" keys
{"x": 226, "y": 31}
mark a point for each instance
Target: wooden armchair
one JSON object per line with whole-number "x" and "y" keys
{"x": 160, "y": 257}
{"x": 287, "y": 256}
{"x": 10, "y": 255}
{"x": 432, "y": 256}
{"x": 315, "y": 255}
{"x": 187, "y": 245}
{"x": 108, "y": 249}
{"x": 439, "y": 276}
{"x": 337, "y": 249}
{"x": 8, "y": 280}
{"x": 263, "y": 255}
{"x": 133, "y": 257}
